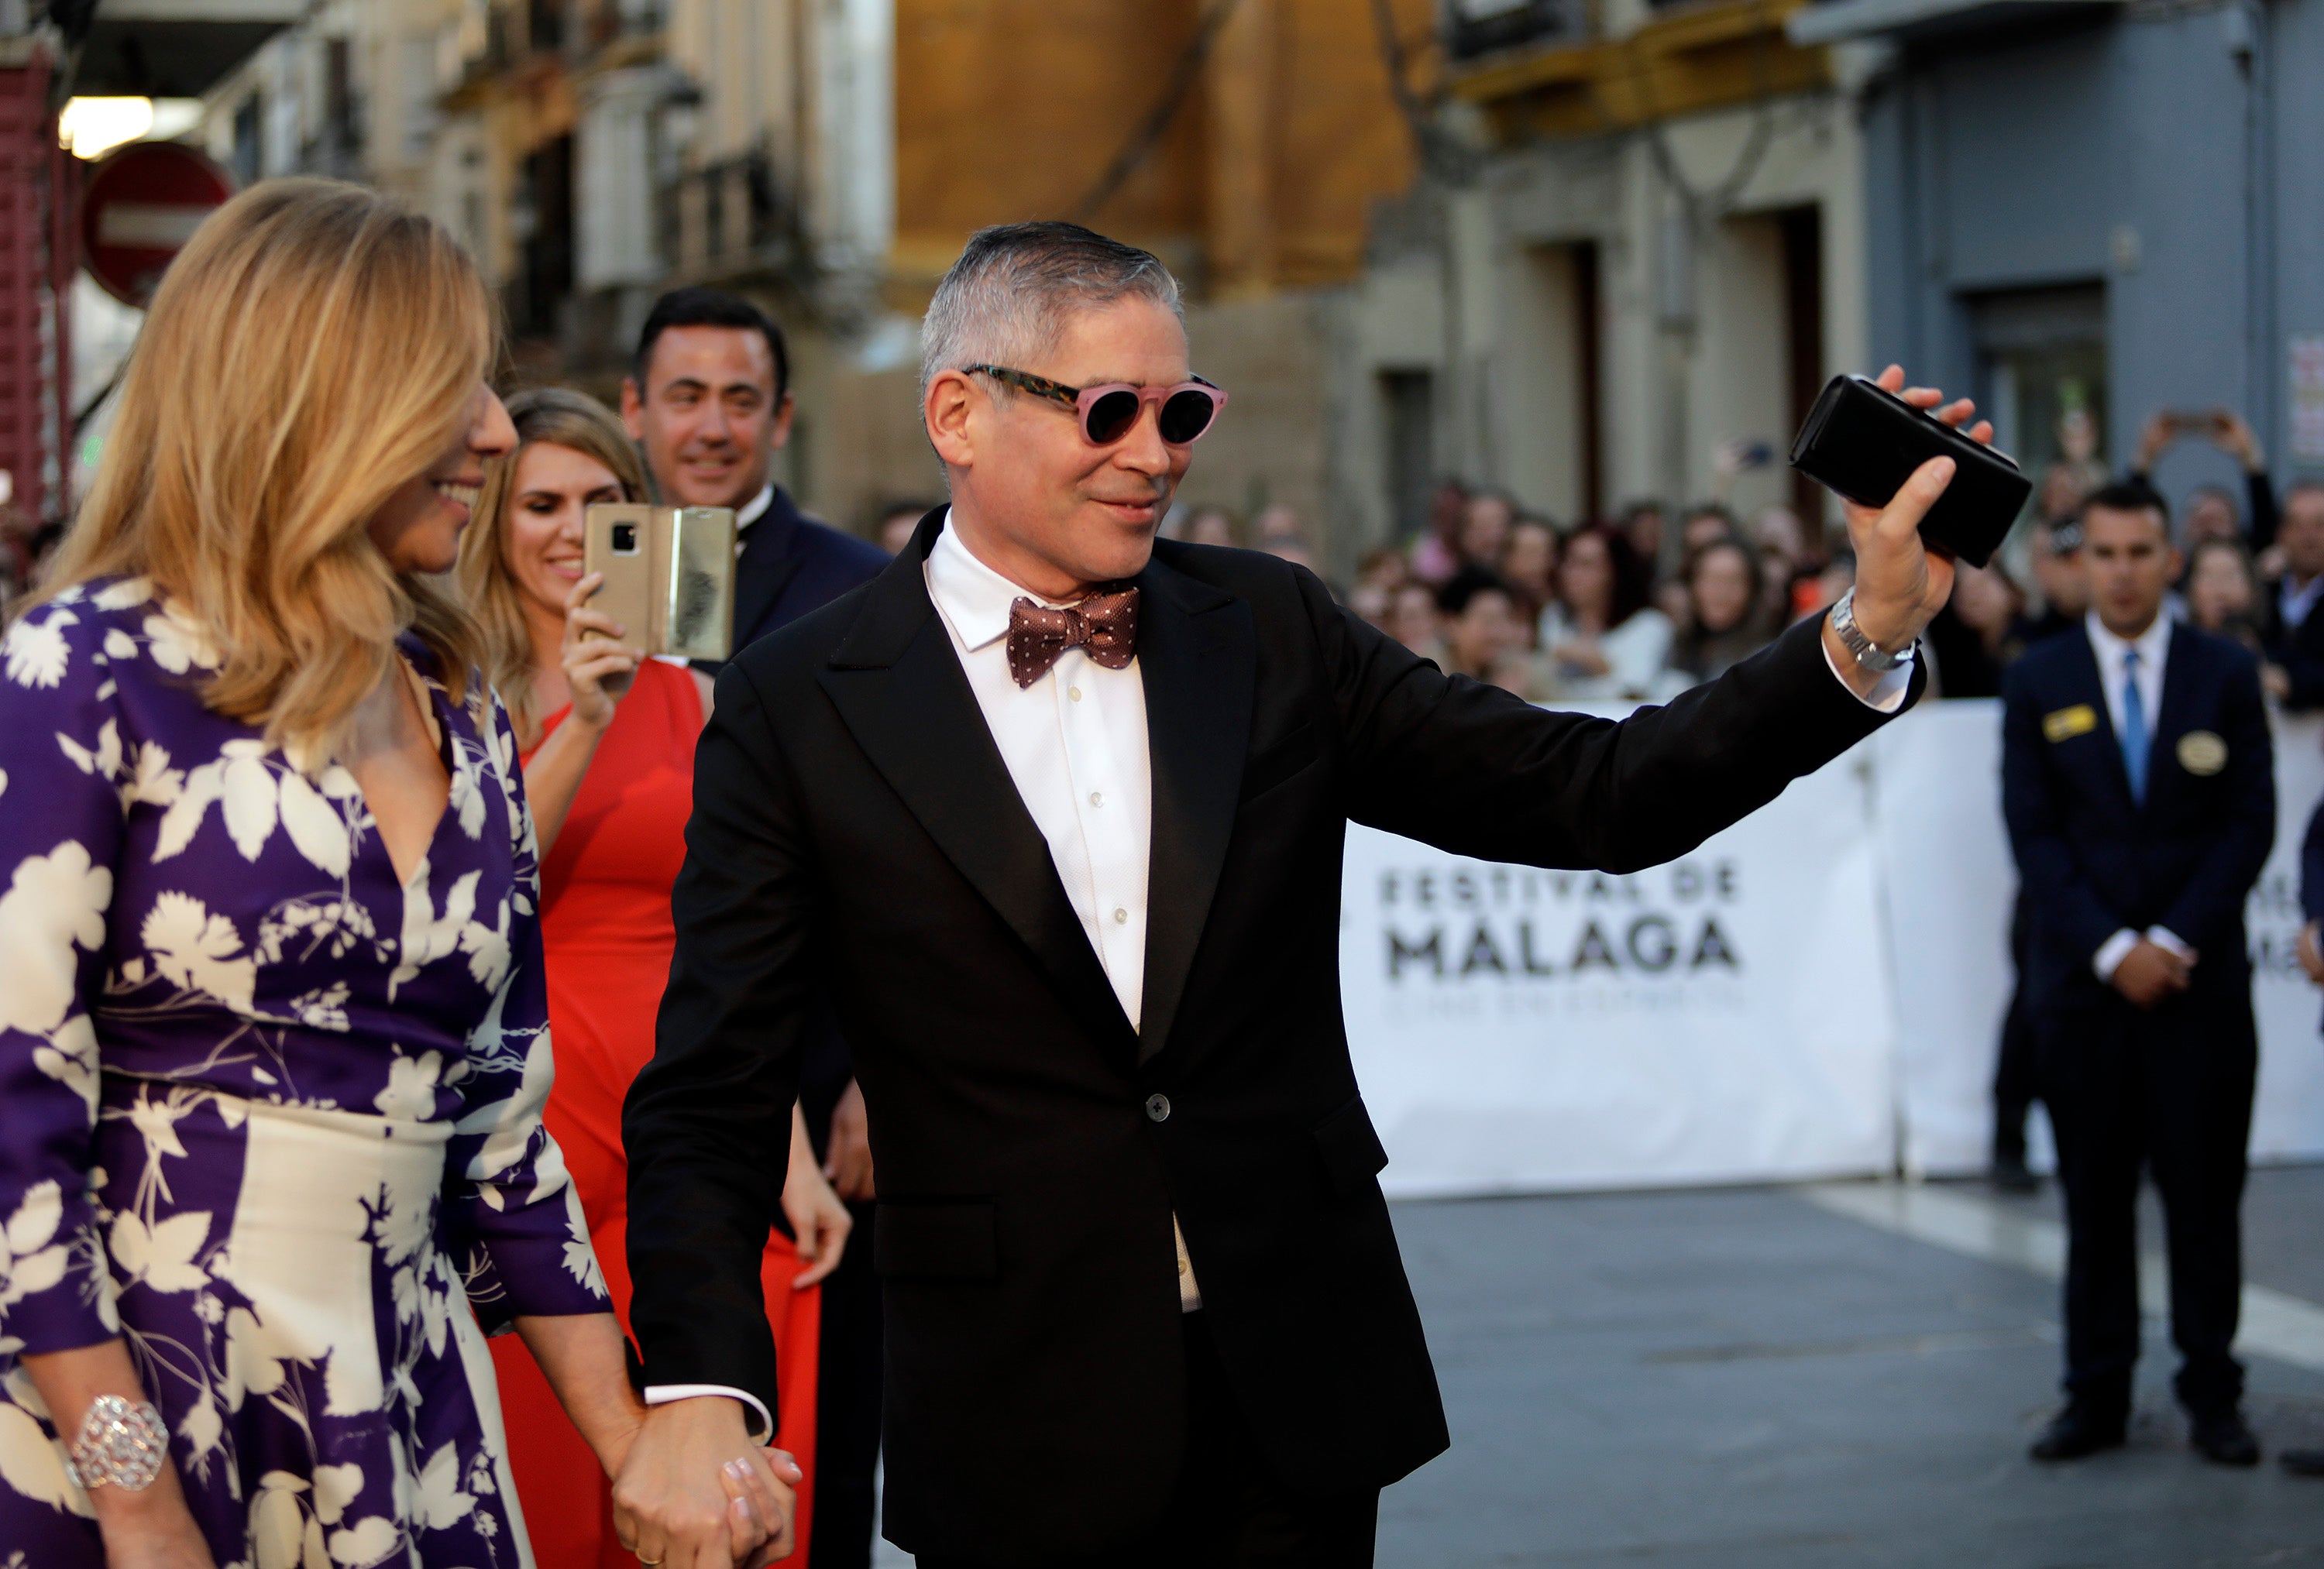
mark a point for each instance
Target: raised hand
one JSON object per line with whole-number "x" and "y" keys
{"x": 598, "y": 666}
{"x": 1899, "y": 584}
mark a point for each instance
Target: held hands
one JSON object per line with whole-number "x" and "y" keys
{"x": 694, "y": 1493}
{"x": 1899, "y": 584}
{"x": 598, "y": 666}
{"x": 2312, "y": 952}
{"x": 2150, "y": 974}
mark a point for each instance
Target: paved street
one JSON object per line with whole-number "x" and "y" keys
{"x": 1796, "y": 1378}
{"x": 1745, "y": 1378}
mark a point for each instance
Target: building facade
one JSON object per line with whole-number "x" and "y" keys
{"x": 2084, "y": 205}
{"x": 1628, "y": 277}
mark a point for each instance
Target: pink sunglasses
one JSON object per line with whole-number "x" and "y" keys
{"x": 1111, "y": 412}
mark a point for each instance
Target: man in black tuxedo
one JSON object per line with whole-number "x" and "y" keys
{"x": 2139, "y": 786}
{"x": 709, "y": 397}
{"x": 1056, "y": 810}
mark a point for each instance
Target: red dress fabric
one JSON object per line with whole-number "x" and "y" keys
{"x": 605, "y": 926}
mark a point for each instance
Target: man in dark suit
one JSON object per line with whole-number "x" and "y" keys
{"x": 709, "y": 397}
{"x": 1057, "y": 811}
{"x": 2292, "y": 633}
{"x": 2309, "y": 1462}
{"x": 2139, "y": 786}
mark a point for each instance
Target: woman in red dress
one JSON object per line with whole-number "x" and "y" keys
{"x": 608, "y": 742}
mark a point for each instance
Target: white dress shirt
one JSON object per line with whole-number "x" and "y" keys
{"x": 751, "y": 511}
{"x": 1075, "y": 745}
{"x": 2293, "y": 602}
{"x": 2153, "y": 645}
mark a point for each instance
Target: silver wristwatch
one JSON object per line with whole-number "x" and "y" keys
{"x": 1867, "y": 657}
{"x": 121, "y": 1444}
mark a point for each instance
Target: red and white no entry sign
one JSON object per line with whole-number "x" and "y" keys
{"x": 142, "y": 203}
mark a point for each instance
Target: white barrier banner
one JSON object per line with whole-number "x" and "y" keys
{"x": 1816, "y": 991}
{"x": 1723, "y": 1018}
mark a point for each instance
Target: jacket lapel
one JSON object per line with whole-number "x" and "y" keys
{"x": 899, "y": 689}
{"x": 2088, "y": 686}
{"x": 766, "y": 568}
{"x": 1197, "y": 660}
{"x": 2172, "y": 718}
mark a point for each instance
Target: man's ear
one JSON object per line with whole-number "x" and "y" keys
{"x": 778, "y": 430}
{"x": 633, "y": 408}
{"x": 945, "y": 411}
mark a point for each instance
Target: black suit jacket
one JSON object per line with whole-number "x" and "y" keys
{"x": 855, "y": 825}
{"x": 2092, "y": 863}
{"x": 792, "y": 565}
{"x": 2299, "y": 649}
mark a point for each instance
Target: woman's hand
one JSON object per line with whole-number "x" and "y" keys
{"x": 598, "y": 669}
{"x": 819, "y": 1221}
{"x": 749, "y": 1488}
{"x": 849, "y": 1165}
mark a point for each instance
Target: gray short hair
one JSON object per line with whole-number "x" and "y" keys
{"x": 1006, "y": 299}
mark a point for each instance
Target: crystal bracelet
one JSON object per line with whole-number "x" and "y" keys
{"x": 121, "y": 1444}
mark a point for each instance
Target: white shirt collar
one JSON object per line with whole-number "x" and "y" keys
{"x": 756, "y": 508}
{"x": 2151, "y": 644}
{"x": 973, "y": 597}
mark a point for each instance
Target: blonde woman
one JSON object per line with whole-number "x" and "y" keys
{"x": 607, "y": 744}
{"x": 272, "y": 1032}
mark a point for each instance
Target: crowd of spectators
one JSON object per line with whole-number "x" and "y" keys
{"x": 1633, "y": 608}
{"x": 1641, "y": 606}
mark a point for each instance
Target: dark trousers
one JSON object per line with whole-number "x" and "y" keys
{"x": 2170, "y": 1091}
{"x": 1229, "y": 1510}
{"x": 847, "y": 1405}
{"x": 2015, "y": 1084}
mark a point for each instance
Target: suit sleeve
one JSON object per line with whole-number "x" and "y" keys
{"x": 707, "y": 1122}
{"x": 2312, "y": 866}
{"x": 2208, "y": 909}
{"x": 2304, "y": 662}
{"x": 2036, "y": 815}
{"x": 1475, "y": 771}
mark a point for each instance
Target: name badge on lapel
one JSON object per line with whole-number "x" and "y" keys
{"x": 2203, "y": 752}
{"x": 2067, "y": 723}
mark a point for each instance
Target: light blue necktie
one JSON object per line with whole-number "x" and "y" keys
{"x": 2134, "y": 728}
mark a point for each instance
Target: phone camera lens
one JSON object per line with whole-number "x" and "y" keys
{"x": 625, "y": 539}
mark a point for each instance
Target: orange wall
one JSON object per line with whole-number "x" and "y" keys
{"x": 1011, "y": 109}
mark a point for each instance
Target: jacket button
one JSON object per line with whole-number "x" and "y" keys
{"x": 1158, "y": 1109}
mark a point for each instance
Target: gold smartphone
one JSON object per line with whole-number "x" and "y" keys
{"x": 668, "y": 575}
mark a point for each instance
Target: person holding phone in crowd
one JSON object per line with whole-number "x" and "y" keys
{"x": 606, "y": 740}
{"x": 1601, "y": 639}
{"x": 709, "y": 400}
{"x": 273, "y": 1032}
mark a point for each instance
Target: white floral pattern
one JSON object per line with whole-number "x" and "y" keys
{"x": 211, "y": 976}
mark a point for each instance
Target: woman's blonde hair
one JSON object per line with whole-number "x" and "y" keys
{"x": 315, "y": 347}
{"x": 559, "y": 417}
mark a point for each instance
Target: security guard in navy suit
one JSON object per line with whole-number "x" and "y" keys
{"x": 2138, "y": 784}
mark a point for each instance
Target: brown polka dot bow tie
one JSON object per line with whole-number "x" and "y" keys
{"x": 1105, "y": 624}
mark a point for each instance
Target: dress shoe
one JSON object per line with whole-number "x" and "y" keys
{"x": 2079, "y": 1430}
{"x": 2302, "y": 1462}
{"x": 2223, "y": 1439}
{"x": 2010, "y": 1174}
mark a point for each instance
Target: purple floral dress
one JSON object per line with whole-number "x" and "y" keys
{"x": 265, "y": 1113}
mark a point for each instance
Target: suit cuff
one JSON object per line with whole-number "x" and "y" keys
{"x": 2164, "y": 937}
{"x": 762, "y": 1432}
{"x": 1887, "y": 694}
{"x": 2105, "y": 961}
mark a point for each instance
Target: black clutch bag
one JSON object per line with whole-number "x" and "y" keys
{"x": 1865, "y": 442}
